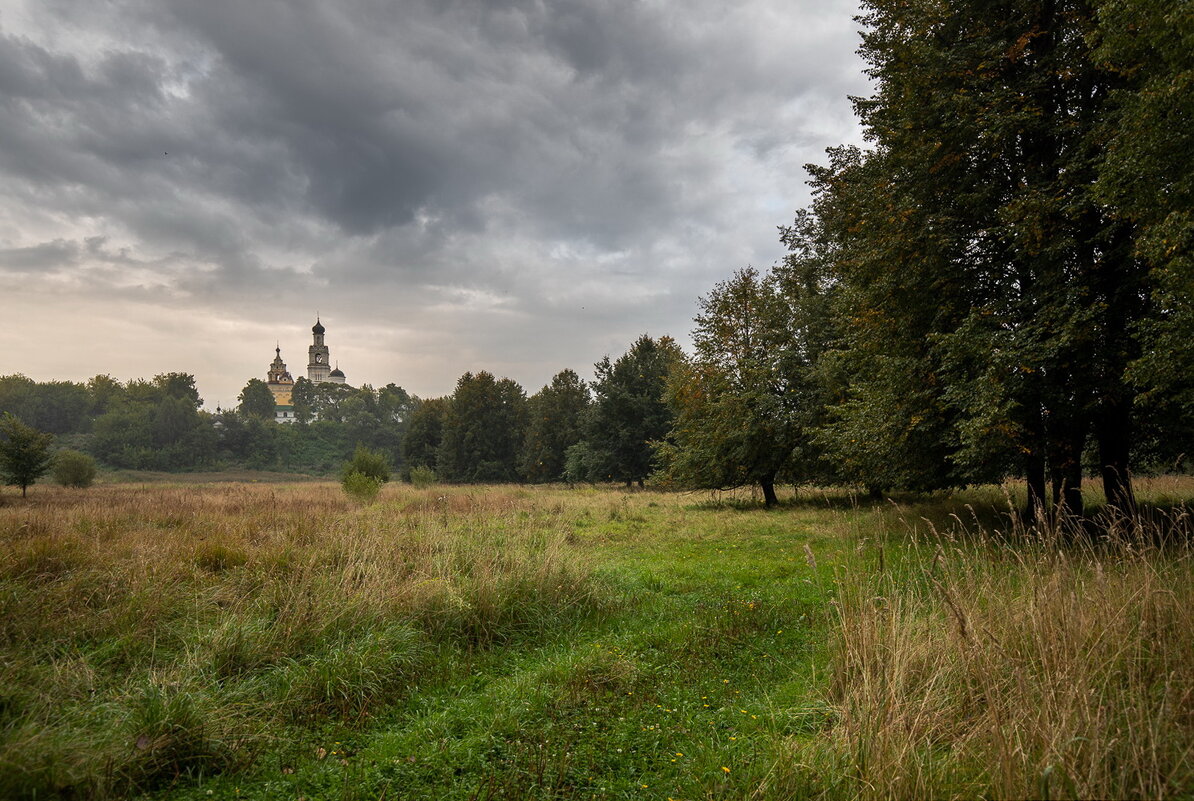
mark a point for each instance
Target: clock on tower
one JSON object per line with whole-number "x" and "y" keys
{"x": 317, "y": 363}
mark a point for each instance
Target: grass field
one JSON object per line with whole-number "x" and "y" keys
{"x": 274, "y": 640}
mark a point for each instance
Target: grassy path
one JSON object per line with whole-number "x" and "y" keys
{"x": 686, "y": 687}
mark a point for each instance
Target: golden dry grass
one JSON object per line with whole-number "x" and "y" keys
{"x": 150, "y": 632}
{"x": 1049, "y": 666}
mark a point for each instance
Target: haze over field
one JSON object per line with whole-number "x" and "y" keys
{"x": 514, "y": 186}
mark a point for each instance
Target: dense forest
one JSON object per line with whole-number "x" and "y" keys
{"x": 999, "y": 285}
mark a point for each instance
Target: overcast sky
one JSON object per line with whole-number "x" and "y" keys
{"x": 458, "y": 185}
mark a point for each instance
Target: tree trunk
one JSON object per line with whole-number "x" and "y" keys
{"x": 1034, "y": 465}
{"x": 769, "y": 492}
{"x": 1065, "y": 465}
{"x": 1121, "y": 284}
{"x": 1114, "y": 432}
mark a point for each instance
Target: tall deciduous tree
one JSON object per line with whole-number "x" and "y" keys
{"x": 256, "y": 400}
{"x": 483, "y": 429}
{"x": 629, "y": 412}
{"x": 991, "y": 295}
{"x": 1148, "y": 178}
{"x": 24, "y": 452}
{"x": 742, "y": 406}
{"x": 555, "y": 415}
{"x": 420, "y": 446}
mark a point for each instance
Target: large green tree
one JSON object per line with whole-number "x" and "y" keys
{"x": 24, "y": 452}
{"x": 420, "y": 446}
{"x": 257, "y": 400}
{"x": 153, "y": 425}
{"x": 555, "y": 416}
{"x": 739, "y": 403}
{"x": 483, "y": 430}
{"x": 1147, "y": 177}
{"x": 628, "y": 412}
{"x": 58, "y": 407}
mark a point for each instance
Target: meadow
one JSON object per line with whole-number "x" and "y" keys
{"x": 276, "y": 641}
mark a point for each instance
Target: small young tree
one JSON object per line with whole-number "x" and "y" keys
{"x": 367, "y": 463}
{"x": 73, "y": 469}
{"x": 24, "y": 452}
{"x": 363, "y": 477}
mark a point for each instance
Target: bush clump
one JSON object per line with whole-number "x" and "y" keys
{"x": 367, "y": 463}
{"x": 364, "y": 475}
{"x": 422, "y": 476}
{"x": 73, "y": 469}
{"x": 361, "y": 487}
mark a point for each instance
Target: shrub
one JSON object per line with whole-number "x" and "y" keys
{"x": 361, "y": 487}
{"x": 368, "y": 463}
{"x": 73, "y": 469}
{"x": 422, "y": 476}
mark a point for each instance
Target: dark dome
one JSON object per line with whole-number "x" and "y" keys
{"x": 317, "y": 328}
{"x": 337, "y": 373}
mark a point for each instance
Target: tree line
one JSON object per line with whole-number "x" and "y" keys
{"x": 999, "y": 284}
{"x": 159, "y": 424}
{"x": 487, "y": 430}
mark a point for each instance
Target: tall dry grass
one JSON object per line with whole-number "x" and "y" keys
{"x": 152, "y": 633}
{"x": 1049, "y": 666}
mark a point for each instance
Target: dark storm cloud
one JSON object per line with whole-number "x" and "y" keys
{"x": 517, "y": 158}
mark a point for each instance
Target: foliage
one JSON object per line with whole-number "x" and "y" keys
{"x": 628, "y": 412}
{"x": 302, "y": 398}
{"x": 482, "y": 430}
{"x": 257, "y": 400}
{"x": 361, "y": 487}
{"x": 422, "y": 477}
{"x": 555, "y": 414}
{"x": 420, "y": 446}
{"x": 746, "y": 403}
{"x": 990, "y": 299}
{"x": 367, "y": 463}
{"x": 57, "y": 407}
{"x": 583, "y": 464}
{"x": 1146, "y": 176}
{"x": 152, "y": 425}
{"x": 73, "y": 469}
{"x": 24, "y": 452}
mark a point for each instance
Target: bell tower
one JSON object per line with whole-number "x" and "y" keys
{"x": 317, "y": 355}
{"x": 280, "y": 382}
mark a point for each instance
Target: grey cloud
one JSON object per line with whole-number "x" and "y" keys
{"x": 381, "y": 158}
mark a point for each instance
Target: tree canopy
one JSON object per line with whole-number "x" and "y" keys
{"x": 628, "y": 413}
{"x": 24, "y": 452}
{"x": 555, "y": 416}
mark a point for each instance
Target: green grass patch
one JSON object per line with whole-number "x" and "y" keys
{"x": 280, "y": 641}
